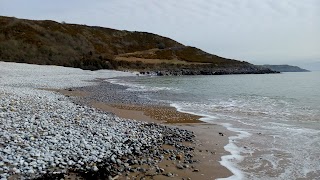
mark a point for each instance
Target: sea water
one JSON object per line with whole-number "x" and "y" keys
{"x": 276, "y": 118}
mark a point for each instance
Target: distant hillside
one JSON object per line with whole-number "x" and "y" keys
{"x": 86, "y": 47}
{"x": 285, "y": 68}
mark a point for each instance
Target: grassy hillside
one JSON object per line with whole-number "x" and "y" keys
{"x": 86, "y": 47}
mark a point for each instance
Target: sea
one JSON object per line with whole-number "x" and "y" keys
{"x": 275, "y": 118}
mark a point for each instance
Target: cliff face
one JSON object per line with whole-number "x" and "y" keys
{"x": 52, "y": 43}
{"x": 285, "y": 68}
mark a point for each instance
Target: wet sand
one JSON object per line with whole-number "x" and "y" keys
{"x": 209, "y": 142}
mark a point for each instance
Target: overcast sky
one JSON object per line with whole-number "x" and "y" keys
{"x": 258, "y": 31}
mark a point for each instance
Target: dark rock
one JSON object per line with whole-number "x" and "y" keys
{"x": 185, "y": 165}
{"x": 160, "y": 170}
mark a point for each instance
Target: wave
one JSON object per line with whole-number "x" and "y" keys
{"x": 231, "y": 147}
{"x": 283, "y": 135}
{"x": 139, "y": 87}
{"x": 273, "y": 148}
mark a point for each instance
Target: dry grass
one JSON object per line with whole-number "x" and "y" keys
{"x": 49, "y": 42}
{"x": 153, "y": 61}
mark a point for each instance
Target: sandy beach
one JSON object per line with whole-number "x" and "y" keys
{"x": 208, "y": 145}
{"x": 57, "y": 123}
{"x": 139, "y": 90}
{"x": 209, "y": 141}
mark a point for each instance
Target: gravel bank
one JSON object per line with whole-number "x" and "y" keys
{"x": 44, "y": 134}
{"x": 116, "y": 94}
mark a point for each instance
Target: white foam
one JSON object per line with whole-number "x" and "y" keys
{"x": 235, "y": 151}
{"x": 280, "y": 139}
{"x": 137, "y": 87}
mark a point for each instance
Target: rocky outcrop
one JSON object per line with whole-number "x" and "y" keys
{"x": 208, "y": 71}
{"x": 285, "y": 68}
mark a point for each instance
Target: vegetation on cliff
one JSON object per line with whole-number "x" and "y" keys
{"x": 90, "y": 47}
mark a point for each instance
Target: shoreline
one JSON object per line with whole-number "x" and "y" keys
{"x": 210, "y": 138}
{"x": 45, "y": 133}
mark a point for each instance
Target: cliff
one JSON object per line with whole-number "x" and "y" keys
{"x": 285, "y": 68}
{"x": 90, "y": 47}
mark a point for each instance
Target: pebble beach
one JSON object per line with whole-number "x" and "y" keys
{"x": 45, "y": 135}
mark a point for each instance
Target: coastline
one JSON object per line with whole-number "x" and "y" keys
{"x": 84, "y": 141}
{"x": 34, "y": 118}
{"x": 209, "y": 142}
